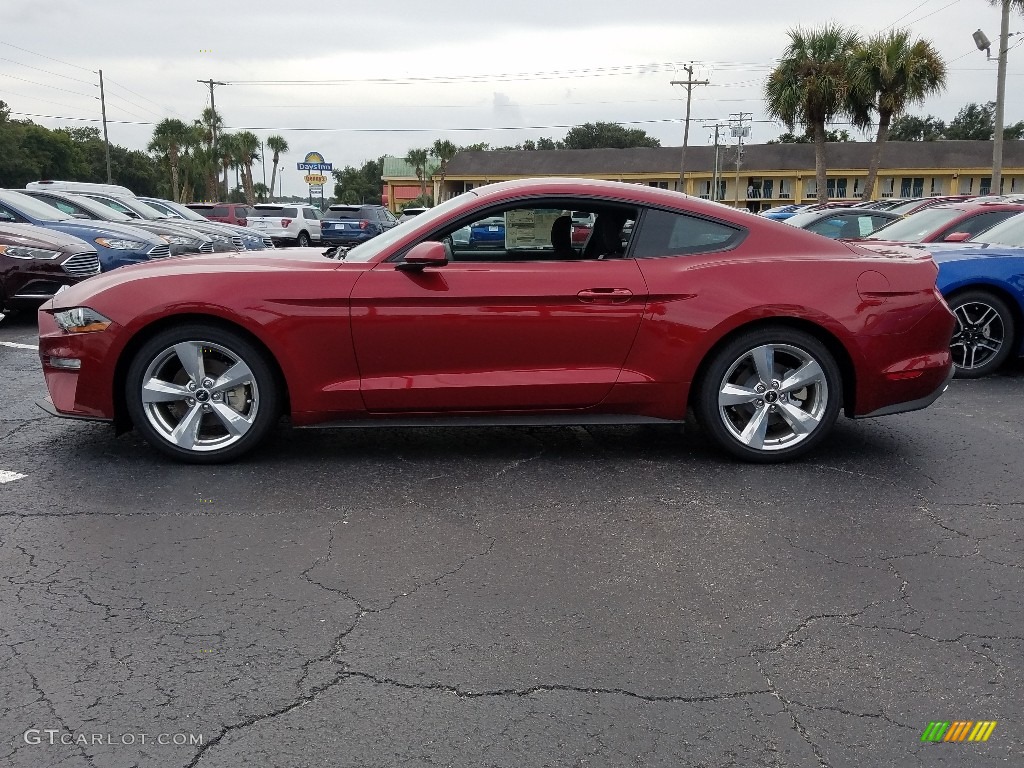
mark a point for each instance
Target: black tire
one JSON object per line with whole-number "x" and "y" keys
{"x": 985, "y": 334}
{"x": 759, "y": 417}
{"x": 304, "y": 240}
{"x": 214, "y": 420}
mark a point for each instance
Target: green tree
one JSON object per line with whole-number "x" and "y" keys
{"x": 606, "y": 135}
{"x": 891, "y": 70}
{"x": 444, "y": 151}
{"x": 227, "y": 157}
{"x": 973, "y": 122}
{"x": 915, "y": 128}
{"x": 359, "y": 185}
{"x": 279, "y": 146}
{"x": 806, "y": 138}
{"x": 417, "y": 158}
{"x": 813, "y": 84}
{"x": 168, "y": 137}
{"x": 247, "y": 152}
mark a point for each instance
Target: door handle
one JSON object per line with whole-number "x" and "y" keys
{"x": 604, "y": 295}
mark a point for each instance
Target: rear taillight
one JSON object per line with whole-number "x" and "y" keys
{"x": 364, "y": 224}
{"x": 243, "y": 222}
{"x": 285, "y": 223}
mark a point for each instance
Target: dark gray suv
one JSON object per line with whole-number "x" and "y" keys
{"x": 353, "y": 224}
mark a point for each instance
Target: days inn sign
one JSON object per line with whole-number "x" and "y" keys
{"x": 314, "y": 161}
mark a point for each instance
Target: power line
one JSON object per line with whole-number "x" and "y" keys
{"x": 908, "y": 13}
{"x": 135, "y": 93}
{"x": 367, "y": 130}
{"x": 939, "y": 10}
{"x": 50, "y": 58}
{"x": 44, "y": 85}
{"x": 48, "y": 72}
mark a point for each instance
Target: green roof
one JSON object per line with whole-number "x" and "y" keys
{"x": 397, "y": 168}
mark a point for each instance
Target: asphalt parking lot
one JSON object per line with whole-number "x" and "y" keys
{"x": 511, "y": 597}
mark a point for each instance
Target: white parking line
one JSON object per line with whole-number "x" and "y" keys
{"x": 6, "y": 477}
{"x": 16, "y": 345}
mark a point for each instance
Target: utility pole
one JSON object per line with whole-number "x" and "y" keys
{"x": 106, "y": 139}
{"x": 689, "y": 82}
{"x": 997, "y": 143}
{"x": 715, "y": 172}
{"x": 213, "y": 108}
{"x": 738, "y": 131}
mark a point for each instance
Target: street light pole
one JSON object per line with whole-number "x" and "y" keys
{"x": 689, "y": 82}
{"x": 997, "y": 143}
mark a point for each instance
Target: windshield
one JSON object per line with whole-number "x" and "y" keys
{"x": 423, "y": 223}
{"x": 917, "y": 227}
{"x": 175, "y": 210}
{"x": 99, "y": 210}
{"x": 1009, "y": 232}
{"x": 33, "y": 208}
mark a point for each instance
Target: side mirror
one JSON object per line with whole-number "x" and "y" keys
{"x": 428, "y": 254}
{"x": 957, "y": 237}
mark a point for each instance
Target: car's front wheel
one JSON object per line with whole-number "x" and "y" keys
{"x": 201, "y": 394}
{"x": 984, "y": 333}
{"x": 770, "y": 394}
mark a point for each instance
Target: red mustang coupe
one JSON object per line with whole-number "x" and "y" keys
{"x": 765, "y": 331}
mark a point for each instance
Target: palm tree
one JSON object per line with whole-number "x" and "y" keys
{"x": 227, "y": 159}
{"x": 813, "y": 84}
{"x": 893, "y": 71}
{"x": 280, "y": 146}
{"x": 417, "y": 158}
{"x": 444, "y": 151}
{"x": 260, "y": 190}
{"x": 168, "y": 137}
{"x": 247, "y": 151}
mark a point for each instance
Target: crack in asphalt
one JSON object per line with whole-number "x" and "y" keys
{"x": 335, "y": 649}
{"x": 549, "y": 688}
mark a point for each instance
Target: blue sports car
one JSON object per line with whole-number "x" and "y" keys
{"x": 984, "y": 286}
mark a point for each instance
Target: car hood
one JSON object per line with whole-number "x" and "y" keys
{"x": 106, "y": 228}
{"x": 31, "y": 235}
{"x": 199, "y": 266}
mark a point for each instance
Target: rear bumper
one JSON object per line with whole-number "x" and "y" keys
{"x": 912, "y": 405}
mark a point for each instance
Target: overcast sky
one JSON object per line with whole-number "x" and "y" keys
{"x": 492, "y": 72}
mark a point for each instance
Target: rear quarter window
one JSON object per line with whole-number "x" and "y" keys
{"x": 220, "y": 210}
{"x": 663, "y": 233}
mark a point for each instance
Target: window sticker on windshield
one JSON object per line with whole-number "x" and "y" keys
{"x": 530, "y": 228}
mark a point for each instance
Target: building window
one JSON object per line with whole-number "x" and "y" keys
{"x": 986, "y": 186}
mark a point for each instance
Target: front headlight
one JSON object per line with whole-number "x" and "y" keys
{"x": 118, "y": 245}
{"x": 220, "y": 238}
{"x": 24, "y": 252}
{"x": 180, "y": 239}
{"x": 81, "y": 320}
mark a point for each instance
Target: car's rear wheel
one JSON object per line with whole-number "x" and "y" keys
{"x": 201, "y": 394}
{"x": 770, "y": 394}
{"x": 304, "y": 239}
{"x": 984, "y": 334}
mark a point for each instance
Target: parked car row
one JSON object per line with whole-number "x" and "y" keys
{"x": 56, "y": 233}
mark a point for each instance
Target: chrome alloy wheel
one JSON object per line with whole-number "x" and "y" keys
{"x": 979, "y": 335}
{"x": 773, "y": 397}
{"x": 199, "y": 396}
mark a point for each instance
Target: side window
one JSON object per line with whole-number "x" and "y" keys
{"x": 386, "y": 215}
{"x": 662, "y": 233}
{"x": 220, "y": 210}
{"x": 7, "y": 215}
{"x": 65, "y": 207}
{"x": 980, "y": 222}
